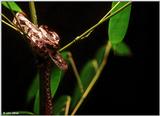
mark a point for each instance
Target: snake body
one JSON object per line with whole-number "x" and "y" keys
{"x": 45, "y": 98}
{"x": 45, "y": 43}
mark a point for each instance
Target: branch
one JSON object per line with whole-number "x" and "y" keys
{"x": 76, "y": 73}
{"x": 85, "y": 34}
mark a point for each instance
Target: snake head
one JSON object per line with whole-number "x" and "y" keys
{"x": 58, "y": 60}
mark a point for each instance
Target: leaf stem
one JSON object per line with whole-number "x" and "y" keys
{"x": 95, "y": 78}
{"x": 76, "y": 72}
{"x": 83, "y": 35}
{"x": 33, "y": 12}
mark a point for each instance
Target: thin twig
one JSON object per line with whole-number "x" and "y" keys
{"x": 10, "y": 26}
{"x": 93, "y": 27}
{"x": 21, "y": 30}
{"x": 110, "y": 11}
{"x": 6, "y": 18}
{"x": 67, "y": 105}
{"x": 76, "y": 72}
{"x": 95, "y": 78}
{"x": 101, "y": 66}
{"x": 87, "y": 34}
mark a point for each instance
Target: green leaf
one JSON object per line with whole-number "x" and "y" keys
{"x": 118, "y": 24}
{"x": 86, "y": 75}
{"x": 55, "y": 80}
{"x": 60, "y": 104}
{"x": 33, "y": 88}
{"x": 12, "y": 6}
{"x": 100, "y": 54}
{"x": 65, "y": 54}
{"x": 121, "y": 49}
{"x": 36, "y": 103}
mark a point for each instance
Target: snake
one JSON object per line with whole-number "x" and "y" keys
{"x": 45, "y": 44}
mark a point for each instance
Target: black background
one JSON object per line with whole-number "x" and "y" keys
{"x": 128, "y": 85}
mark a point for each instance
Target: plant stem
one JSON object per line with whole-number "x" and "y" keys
{"x": 67, "y": 105}
{"x": 110, "y": 11}
{"x": 33, "y": 12}
{"x": 83, "y": 35}
{"x": 76, "y": 72}
{"x": 21, "y": 30}
{"x": 95, "y": 78}
{"x": 10, "y": 25}
{"x": 7, "y": 19}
